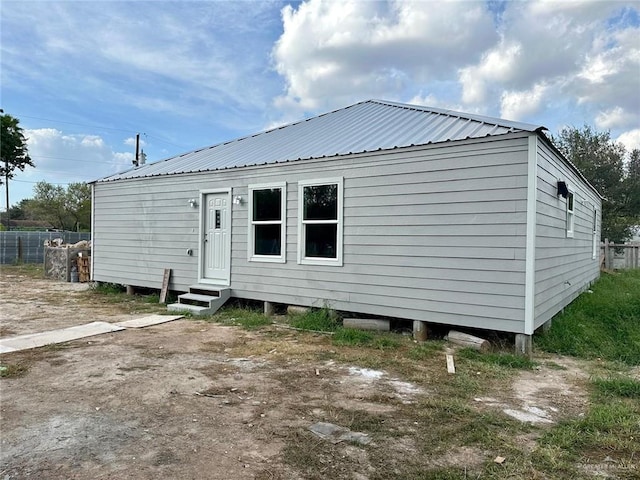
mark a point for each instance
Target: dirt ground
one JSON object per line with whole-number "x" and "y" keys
{"x": 191, "y": 399}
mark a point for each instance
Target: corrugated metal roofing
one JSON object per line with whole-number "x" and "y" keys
{"x": 364, "y": 127}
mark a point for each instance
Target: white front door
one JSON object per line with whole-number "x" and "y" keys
{"x": 216, "y": 246}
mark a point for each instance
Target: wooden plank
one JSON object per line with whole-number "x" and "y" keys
{"x": 451, "y": 368}
{"x": 165, "y": 285}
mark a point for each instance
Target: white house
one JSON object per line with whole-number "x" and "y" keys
{"x": 377, "y": 208}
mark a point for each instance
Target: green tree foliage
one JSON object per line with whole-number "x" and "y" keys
{"x": 601, "y": 160}
{"x": 66, "y": 209}
{"x": 632, "y": 185}
{"x": 13, "y": 148}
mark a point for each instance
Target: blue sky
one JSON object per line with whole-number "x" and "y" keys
{"x": 85, "y": 77}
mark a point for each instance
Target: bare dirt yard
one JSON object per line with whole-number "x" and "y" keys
{"x": 198, "y": 399}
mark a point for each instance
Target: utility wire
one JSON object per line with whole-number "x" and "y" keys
{"x": 99, "y": 127}
{"x": 78, "y": 124}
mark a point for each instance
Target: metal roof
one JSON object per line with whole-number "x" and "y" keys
{"x": 364, "y": 127}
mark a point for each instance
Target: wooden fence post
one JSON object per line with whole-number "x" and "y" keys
{"x": 606, "y": 253}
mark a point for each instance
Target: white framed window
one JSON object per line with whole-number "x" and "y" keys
{"x": 594, "y": 233}
{"x": 320, "y": 221}
{"x": 570, "y": 214}
{"x": 267, "y": 223}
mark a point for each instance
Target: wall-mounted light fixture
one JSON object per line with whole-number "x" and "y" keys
{"x": 563, "y": 190}
{"x": 193, "y": 203}
{"x": 238, "y": 200}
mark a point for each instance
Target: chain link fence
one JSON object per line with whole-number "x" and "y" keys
{"x": 28, "y": 247}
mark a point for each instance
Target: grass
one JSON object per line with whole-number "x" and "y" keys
{"x": 13, "y": 370}
{"x": 604, "y": 324}
{"x": 620, "y": 387}
{"x": 318, "y": 320}
{"x": 247, "y": 318}
{"x": 501, "y": 359}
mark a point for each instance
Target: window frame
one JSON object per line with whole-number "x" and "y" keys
{"x": 339, "y": 222}
{"x": 251, "y": 255}
{"x": 570, "y": 213}
{"x": 594, "y": 233}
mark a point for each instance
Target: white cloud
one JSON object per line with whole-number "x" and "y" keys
{"x": 585, "y": 53}
{"x": 66, "y": 158}
{"x": 497, "y": 67}
{"x": 616, "y": 117}
{"x": 332, "y": 53}
{"x": 630, "y": 139}
{"x": 131, "y": 142}
{"x": 518, "y": 105}
{"x": 164, "y": 56}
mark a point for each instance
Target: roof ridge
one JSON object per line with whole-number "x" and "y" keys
{"x": 463, "y": 115}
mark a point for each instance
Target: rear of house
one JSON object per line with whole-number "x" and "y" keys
{"x": 378, "y": 208}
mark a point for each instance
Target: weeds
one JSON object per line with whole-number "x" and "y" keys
{"x": 501, "y": 359}
{"x": 621, "y": 387}
{"x": 13, "y": 370}
{"x": 319, "y": 320}
{"x": 603, "y": 324}
{"x": 245, "y": 317}
{"x": 108, "y": 288}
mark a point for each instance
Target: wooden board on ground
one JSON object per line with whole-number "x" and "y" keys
{"x": 165, "y": 285}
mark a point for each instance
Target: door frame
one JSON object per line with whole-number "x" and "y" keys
{"x": 202, "y": 244}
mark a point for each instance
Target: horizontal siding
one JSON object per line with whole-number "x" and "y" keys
{"x": 433, "y": 233}
{"x": 564, "y": 266}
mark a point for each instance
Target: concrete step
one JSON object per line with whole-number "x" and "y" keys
{"x": 202, "y": 289}
{"x": 185, "y": 307}
{"x": 200, "y": 304}
{"x": 196, "y": 298}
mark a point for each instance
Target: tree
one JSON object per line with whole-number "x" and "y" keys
{"x": 66, "y": 209}
{"x": 632, "y": 187}
{"x": 601, "y": 160}
{"x": 13, "y": 147}
{"x": 78, "y": 205}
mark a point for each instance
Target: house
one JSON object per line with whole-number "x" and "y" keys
{"x": 378, "y": 208}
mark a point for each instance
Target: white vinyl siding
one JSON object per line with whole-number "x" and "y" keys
{"x": 320, "y": 222}
{"x": 434, "y": 233}
{"x": 267, "y": 230}
{"x": 564, "y": 265}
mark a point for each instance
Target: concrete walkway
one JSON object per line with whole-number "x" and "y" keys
{"x": 34, "y": 340}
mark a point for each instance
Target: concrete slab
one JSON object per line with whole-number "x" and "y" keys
{"x": 148, "y": 321}
{"x": 34, "y": 340}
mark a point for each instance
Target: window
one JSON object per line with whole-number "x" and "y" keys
{"x": 594, "y": 233}
{"x": 320, "y": 222}
{"x": 570, "y": 214}
{"x": 267, "y": 223}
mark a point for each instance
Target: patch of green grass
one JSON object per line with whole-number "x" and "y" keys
{"x": 426, "y": 350}
{"x": 32, "y": 270}
{"x": 152, "y": 298}
{"x": 108, "y": 288}
{"x": 13, "y": 370}
{"x": 247, "y": 318}
{"x": 620, "y": 387}
{"x": 608, "y": 429}
{"x": 501, "y": 359}
{"x": 604, "y": 324}
{"x": 352, "y": 336}
{"x": 319, "y": 320}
